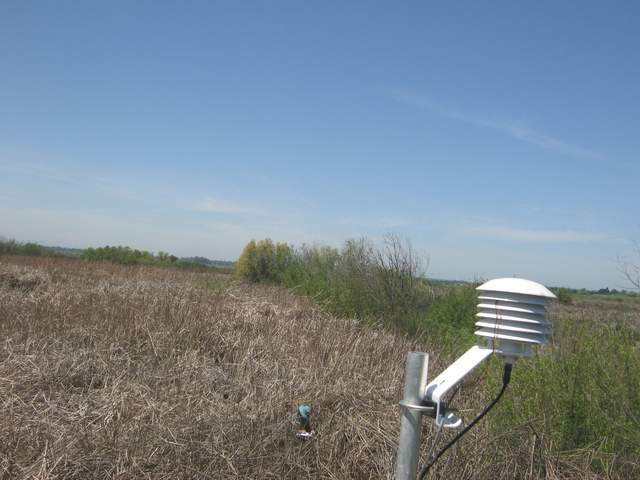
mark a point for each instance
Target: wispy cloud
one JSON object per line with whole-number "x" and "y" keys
{"x": 67, "y": 176}
{"x": 516, "y": 130}
{"x": 216, "y": 205}
{"x": 384, "y": 222}
{"x": 537, "y": 236}
{"x": 37, "y": 170}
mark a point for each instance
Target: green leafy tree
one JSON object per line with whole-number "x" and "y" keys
{"x": 264, "y": 261}
{"x": 245, "y": 264}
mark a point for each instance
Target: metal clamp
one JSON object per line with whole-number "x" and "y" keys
{"x": 428, "y": 409}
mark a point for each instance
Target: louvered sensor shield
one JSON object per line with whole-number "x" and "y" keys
{"x": 513, "y": 315}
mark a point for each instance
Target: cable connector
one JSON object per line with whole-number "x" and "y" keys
{"x": 506, "y": 375}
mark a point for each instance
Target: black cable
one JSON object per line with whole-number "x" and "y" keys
{"x": 506, "y": 377}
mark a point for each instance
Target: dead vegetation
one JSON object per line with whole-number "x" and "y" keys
{"x": 141, "y": 372}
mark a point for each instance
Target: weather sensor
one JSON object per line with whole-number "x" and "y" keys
{"x": 512, "y": 318}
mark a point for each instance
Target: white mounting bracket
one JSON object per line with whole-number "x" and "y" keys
{"x": 438, "y": 388}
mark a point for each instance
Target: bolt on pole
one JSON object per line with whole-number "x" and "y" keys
{"x": 415, "y": 382}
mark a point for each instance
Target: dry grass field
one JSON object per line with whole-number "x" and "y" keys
{"x": 138, "y": 372}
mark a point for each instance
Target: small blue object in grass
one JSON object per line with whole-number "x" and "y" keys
{"x": 304, "y": 418}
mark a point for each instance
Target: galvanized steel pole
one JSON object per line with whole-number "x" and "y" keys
{"x": 415, "y": 382}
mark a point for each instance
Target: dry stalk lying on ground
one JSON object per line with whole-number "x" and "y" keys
{"x": 137, "y": 372}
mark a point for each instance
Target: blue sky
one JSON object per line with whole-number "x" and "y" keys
{"x": 500, "y": 139}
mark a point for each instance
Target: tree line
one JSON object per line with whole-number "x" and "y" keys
{"x": 116, "y": 254}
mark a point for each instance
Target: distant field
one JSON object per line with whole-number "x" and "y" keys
{"x": 144, "y": 372}
{"x": 610, "y": 299}
{"x": 608, "y": 307}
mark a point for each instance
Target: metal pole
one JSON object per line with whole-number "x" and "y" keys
{"x": 415, "y": 382}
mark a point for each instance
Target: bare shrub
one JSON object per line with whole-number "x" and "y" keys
{"x": 401, "y": 274}
{"x": 630, "y": 269}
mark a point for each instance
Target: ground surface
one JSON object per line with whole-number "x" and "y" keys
{"x": 135, "y": 372}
